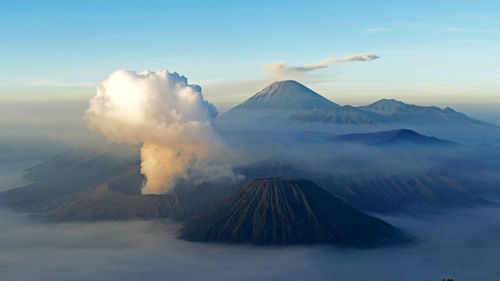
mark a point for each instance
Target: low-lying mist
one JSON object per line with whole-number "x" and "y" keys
{"x": 321, "y": 154}
{"x": 459, "y": 245}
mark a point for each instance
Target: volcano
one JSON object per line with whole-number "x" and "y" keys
{"x": 288, "y": 211}
{"x": 288, "y": 94}
{"x": 273, "y": 106}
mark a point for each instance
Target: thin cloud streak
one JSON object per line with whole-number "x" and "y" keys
{"x": 281, "y": 67}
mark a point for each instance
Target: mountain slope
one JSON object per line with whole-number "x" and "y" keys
{"x": 288, "y": 94}
{"x": 342, "y": 115}
{"x": 287, "y": 211}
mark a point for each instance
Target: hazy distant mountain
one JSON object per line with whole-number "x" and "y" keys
{"x": 288, "y": 105}
{"x": 288, "y": 211}
{"x": 393, "y": 137}
{"x": 273, "y": 105}
{"x": 390, "y": 107}
{"x": 400, "y": 112}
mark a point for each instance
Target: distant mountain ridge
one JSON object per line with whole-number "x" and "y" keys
{"x": 288, "y": 104}
{"x": 388, "y": 107}
{"x": 398, "y": 111}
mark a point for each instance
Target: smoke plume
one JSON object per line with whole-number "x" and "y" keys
{"x": 168, "y": 117}
{"x": 281, "y": 67}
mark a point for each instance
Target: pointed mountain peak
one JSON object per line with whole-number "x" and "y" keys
{"x": 283, "y": 83}
{"x": 288, "y": 94}
{"x": 282, "y": 87}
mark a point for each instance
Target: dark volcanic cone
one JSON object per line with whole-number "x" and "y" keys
{"x": 288, "y": 211}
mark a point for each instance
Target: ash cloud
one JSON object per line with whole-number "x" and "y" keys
{"x": 282, "y": 67}
{"x": 171, "y": 121}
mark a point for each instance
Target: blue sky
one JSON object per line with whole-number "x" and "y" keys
{"x": 441, "y": 52}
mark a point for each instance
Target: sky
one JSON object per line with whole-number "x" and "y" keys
{"x": 429, "y": 52}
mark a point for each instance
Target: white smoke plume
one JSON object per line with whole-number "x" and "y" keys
{"x": 282, "y": 68}
{"x": 168, "y": 117}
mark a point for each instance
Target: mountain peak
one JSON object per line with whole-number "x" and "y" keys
{"x": 388, "y": 101}
{"x": 287, "y": 94}
{"x": 391, "y": 106}
{"x": 285, "y": 87}
{"x": 285, "y": 82}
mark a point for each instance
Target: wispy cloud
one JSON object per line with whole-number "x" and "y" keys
{"x": 281, "y": 67}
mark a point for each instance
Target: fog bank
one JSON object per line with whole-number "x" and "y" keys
{"x": 458, "y": 245}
